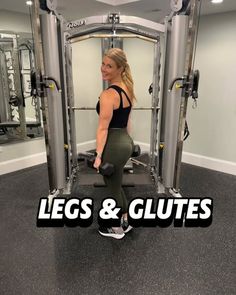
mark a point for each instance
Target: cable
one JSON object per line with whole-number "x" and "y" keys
{"x": 55, "y": 81}
{"x": 32, "y": 31}
{"x": 197, "y": 29}
{"x": 21, "y": 78}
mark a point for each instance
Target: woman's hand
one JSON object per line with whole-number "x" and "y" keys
{"x": 97, "y": 163}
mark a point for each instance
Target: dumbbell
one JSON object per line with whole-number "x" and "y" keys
{"x": 136, "y": 151}
{"x": 106, "y": 169}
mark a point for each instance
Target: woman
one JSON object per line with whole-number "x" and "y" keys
{"x": 114, "y": 144}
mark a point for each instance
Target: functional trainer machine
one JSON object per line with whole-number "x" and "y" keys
{"x": 174, "y": 81}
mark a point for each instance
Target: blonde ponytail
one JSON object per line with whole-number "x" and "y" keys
{"x": 120, "y": 59}
{"x": 128, "y": 80}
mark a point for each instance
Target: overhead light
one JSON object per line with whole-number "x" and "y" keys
{"x": 216, "y": 1}
{"x": 29, "y": 3}
{"x": 117, "y": 2}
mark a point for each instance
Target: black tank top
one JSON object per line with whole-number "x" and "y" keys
{"x": 121, "y": 115}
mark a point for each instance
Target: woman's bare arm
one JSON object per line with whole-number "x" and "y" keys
{"x": 105, "y": 116}
{"x": 129, "y": 124}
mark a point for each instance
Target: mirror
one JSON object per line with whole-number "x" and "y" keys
{"x": 20, "y": 115}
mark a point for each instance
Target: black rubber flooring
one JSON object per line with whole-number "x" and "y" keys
{"x": 150, "y": 261}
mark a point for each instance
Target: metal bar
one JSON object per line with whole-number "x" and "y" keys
{"x": 88, "y": 31}
{"x": 39, "y": 68}
{"x": 154, "y": 120}
{"x": 18, "y": 89}
{"x": 37, "y": 98}
{"x": 55, "y": 114}
{"x": 82, "y": 38}
{"x": 175, "y": 69}
{"x": 4, "y": 89}
{"x": 142, "y": 22}
{"x": 135, "y": 109}
{"x": 72, "y": 26}
{"x": 164, "y": 67}
{"x": 191, "y": 42}
{"x": 108, "y": 28}
{"x": 9, "y": 81}
{"x": 70, "y": 94}
{"x": 139, "y": 163}
{"x": 63, "y": 76}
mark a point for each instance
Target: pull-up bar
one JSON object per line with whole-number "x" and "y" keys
{"x": 107, "y": 29}
{"x": 74, "y": 27}
{"x": 82, "y": 38}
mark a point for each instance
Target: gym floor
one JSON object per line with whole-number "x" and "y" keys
{"x": 150, "y": 261}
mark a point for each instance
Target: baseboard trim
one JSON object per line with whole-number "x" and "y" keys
{"x": 210, "y": 163}
{"x": 86, "y": 146}
{"x": 201, "y": 161}
{"x": 36, "y": 159}
{"x": 189, "y": 158}
{"x": 22, "y": 163}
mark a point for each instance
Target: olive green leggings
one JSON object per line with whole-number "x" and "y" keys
{"x": 117, "y": 151}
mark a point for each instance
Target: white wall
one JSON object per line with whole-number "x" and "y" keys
{"x": 213, "y": 123}
{"x": 15, "y": 22}
{"x": 17, "y": 156}
{"x": 86, "y": 61}
{"x": 140, "y": 56}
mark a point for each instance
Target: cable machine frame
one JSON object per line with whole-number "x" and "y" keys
{"x": 107, "y": 26}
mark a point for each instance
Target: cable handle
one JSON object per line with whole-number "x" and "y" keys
{"x": 51, "y": 85}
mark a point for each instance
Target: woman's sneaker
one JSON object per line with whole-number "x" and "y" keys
{"x": 113, "y": 232}
{"x": 125, "y": 225}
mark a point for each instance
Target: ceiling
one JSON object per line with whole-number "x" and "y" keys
{"x": 154, "y": 10}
